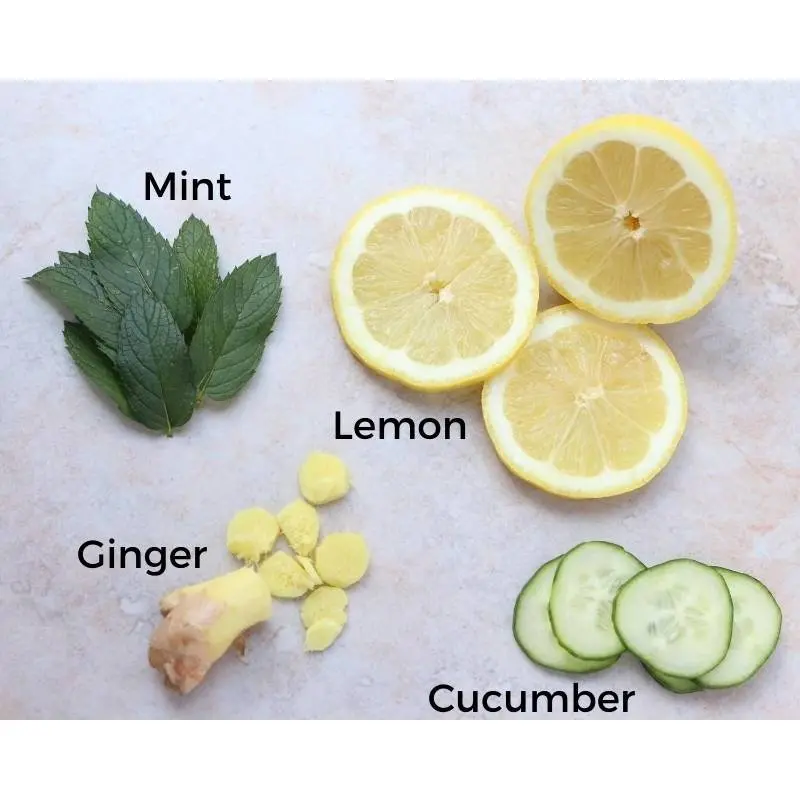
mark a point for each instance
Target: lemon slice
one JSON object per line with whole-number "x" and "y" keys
{"x": 434, "y": 288}
{"x": 633, "y": 220}
{"x": 587, "y": 408}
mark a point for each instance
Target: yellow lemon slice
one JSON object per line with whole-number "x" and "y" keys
{"x": 433, "y": 288}
{"x": 633, "y": 220}
{"x": 588, "y": 408}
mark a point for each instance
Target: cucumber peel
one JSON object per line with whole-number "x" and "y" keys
{"x": 692, "y": 626}
{"x": 533, "y": 632}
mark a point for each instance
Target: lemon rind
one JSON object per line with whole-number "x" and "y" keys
{"x": 395, "y": 364}
{"x": 610, "y": 483}
{"x": 700, "y": 167}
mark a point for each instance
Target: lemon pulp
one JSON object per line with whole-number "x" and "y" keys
{"x": 435, "y": 285}
{"x": 630, "y": 222}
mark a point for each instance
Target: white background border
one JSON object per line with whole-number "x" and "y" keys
{"x": 457, "y": 39}
{"x": 334, "y": 40}
{"x": 385, "y": 760}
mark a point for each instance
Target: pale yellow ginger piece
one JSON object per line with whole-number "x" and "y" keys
{"x": 284, "y": 576}
{"x": 218, "y": 589}
{"x": 326, "y": 602}
{"x": 308, "y": 565}
{"x": 342, "y": 559}
{"x": 323, "y": 478}
{"x": 299, "y": 523}
{"x": 202, "y": 622}
{"x": 251, "y": 534}
{"x": 322, "y": 634}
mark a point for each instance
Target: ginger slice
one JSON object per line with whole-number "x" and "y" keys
{"x": 342, "y": 559}
{"x": 308, "y": 565}
{"x": 322, "y": 634}
{"x": 251, "y": 534}
{"x": 299, "y": 523}
{"x": 325, "y": 602}
{"x": 202, "y": 622}
{"x": 323, "y": 478}
{"x": 284, "y": 576}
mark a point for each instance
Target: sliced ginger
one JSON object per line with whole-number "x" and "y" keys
{"x": 202, "y": 621}
{"x": 308, "y": 565}
{"x": 284, "y": 576}
{"x": 325, "y": 602}
{"x": 342, "y": 559}
{"x": 299, "y": 523}
{"x": 251, "y": 534}
{"x": 323, "y": 478}
{"x": 322, "y": 634}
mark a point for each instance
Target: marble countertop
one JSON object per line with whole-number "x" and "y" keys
{"x": 453, "y": 534}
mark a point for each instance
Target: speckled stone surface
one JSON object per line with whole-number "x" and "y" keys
{"x": 453, "y": 534}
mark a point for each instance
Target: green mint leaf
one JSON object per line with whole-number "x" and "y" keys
{"x": 230, "y": 337}
{"x": 84, "y": 263}
{"x": 195, "y": 252}
{"x": 72, "y": 283}
{"x": 153, "y": 362}
{"x": 96, "y": 367}
{"x": 128, "y": 254}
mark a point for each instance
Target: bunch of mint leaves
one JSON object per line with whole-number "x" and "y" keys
{"x": 157, "y": 328}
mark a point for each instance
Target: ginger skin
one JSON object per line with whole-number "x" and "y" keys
{"x": 202, "y": 622}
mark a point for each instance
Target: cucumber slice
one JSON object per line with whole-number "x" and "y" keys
{"x": 757, "y": 623}
{"x": 584, "y": 587}
{"x": 533, "y": 632}
{"x": 677, "y": 617}
{"x": 675, "y": 685}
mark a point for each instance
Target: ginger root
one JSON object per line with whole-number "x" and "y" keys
{"x": 201, "y": 623}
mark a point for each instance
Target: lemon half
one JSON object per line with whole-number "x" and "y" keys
{"x": 434, "y": 288}
{"x": 587, "y": 408}
{"x": 633, "y": 220}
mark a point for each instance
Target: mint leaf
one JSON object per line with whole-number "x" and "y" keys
{"x": 195, "y": 253}
{"x": 73, "y": 284}
{"x": 95, "y": 366}
{"x": 128, "y": 254}
{"x": 230, "y": 337}
{"x": 154, "y": 365}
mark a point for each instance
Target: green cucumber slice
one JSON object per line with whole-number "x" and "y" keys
{"x": 675, "y": 685}
{"x": 585, "y": 584}
{"x": 757, "y": 623}
{"x": 677, "y": 617}
{"x": 533, "y": 632}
